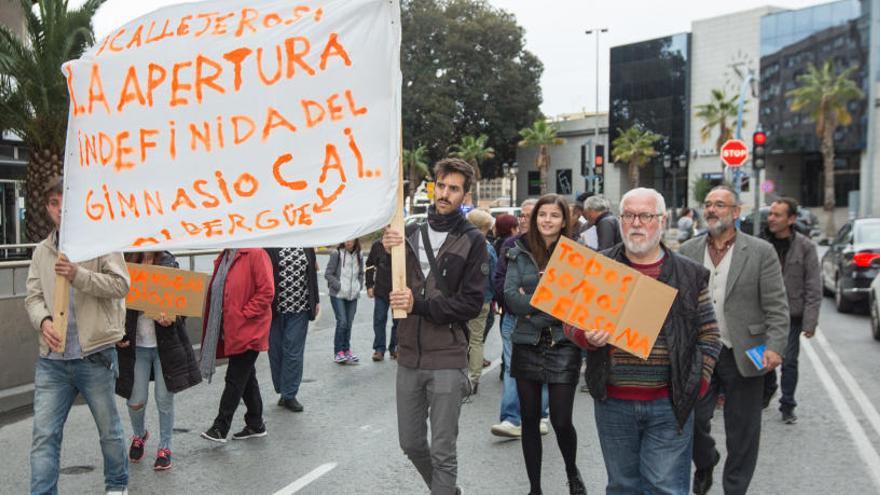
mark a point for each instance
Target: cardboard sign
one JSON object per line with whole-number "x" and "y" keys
{"x": 159, "y": 289}
{"x": 592, "y": 292}
{"x": 234, "y": 123}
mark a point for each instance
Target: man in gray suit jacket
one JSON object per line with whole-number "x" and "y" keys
{"x": 751, "y": 307}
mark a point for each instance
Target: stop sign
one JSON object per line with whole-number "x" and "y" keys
{"x": 734, "y": 153}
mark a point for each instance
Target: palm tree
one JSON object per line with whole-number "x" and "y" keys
{"x": 635, "y": 147}
{"x": 716, "y": 114}
{"x": 33, "y": 92}
{"x": 824, "y": 95}
{"x": 415, "y": 163}
{"x": 474, "y": 151}
{"x": 542, "y": 135}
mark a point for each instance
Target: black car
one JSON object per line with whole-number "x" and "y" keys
{"x": 806, "y": 223}
{"x": 852, "y": 262}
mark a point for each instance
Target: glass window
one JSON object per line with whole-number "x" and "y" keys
{"x": 768, "y": 27}
{"x": 822, "y": 16}
{"x": 868, "y": 232}
{"x": 803, "y": 21}
{"x": 844, "y": 11}
{"x": 785, "y": 24}
{"x": 843, "y": 233}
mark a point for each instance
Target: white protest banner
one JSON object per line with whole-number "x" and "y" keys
{"x": 234, "y": 123}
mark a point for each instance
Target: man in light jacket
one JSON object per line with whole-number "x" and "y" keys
{"x": 86, "y": 364}
{"x": 746, "y": 287}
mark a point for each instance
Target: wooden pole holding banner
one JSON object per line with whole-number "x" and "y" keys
{"x": 61, "y": 305}
{"x": 398, "y": 253}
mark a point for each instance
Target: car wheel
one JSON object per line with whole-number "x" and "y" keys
{"x": 875, "y": 320}
{"x": 843, "y": 304}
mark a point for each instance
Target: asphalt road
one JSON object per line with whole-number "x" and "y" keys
{"x": 346, "y": 440}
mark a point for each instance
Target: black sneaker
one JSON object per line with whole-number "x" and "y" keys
{"x": 788, "y": 417}
{"x": 136, "y": 451}
{"x": 249, "y": 432}
{"x": 213, "y": 434}
{"x": 163, "y": 460}
{"x": 292, "y": 405}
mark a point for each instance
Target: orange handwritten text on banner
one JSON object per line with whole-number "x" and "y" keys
{"x": 592, "y": 292}
{"x": 230, "y": 122}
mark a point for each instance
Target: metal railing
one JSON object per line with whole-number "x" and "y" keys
{"x": 13, "y": 274}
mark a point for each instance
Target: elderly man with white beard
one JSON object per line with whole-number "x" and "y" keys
{"x": 644, "y": 408}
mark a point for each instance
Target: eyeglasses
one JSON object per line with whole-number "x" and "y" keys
{"x": 643, "y": 217}
{"x": 718, "y": 205}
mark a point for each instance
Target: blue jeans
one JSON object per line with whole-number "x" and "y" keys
{"x": 287, "y": 343}
{"x": 380, "y": 320}
{"x": 509, "y": 396}
{"x": 344, "y": 311}
{"x": 643, "y": 449}
{"x": 56, "y": 385}
{"x": 147, "y": 361}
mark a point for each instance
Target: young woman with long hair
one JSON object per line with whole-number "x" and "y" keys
{"x": 541, "y": 353}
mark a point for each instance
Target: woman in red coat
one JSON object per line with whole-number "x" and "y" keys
{"x": 238, "y": 313}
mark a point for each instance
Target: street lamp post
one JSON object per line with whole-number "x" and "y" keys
{"x": 588, "y": 32}
{"x": 510, "y": 170}
{"x": 673, "y": 166}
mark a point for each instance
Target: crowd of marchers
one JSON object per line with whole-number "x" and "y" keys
{"x": 735, "y": 293}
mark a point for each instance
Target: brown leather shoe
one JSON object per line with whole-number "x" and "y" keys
{"x": 377, "y": 356}
{"x": 393, "y": 354}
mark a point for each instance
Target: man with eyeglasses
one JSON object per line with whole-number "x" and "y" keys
{"x": 752, "y": 310}
{"x": 644, "y": 408}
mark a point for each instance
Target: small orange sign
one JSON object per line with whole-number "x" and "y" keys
{"x": 159, "y": 289}
{"x": 592, "y": 292}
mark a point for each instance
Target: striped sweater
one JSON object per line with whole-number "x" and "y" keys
{"x": 633, "y": 378}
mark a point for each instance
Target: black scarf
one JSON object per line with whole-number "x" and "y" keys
{"x": 444, "y": 223}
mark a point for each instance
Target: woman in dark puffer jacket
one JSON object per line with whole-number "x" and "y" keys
{"x": 157, "y": 350}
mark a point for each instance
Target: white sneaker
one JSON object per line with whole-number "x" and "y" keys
{"x": 507, "y": 429}
{"x": 123, "y": 491}
{"x": 545, "y": 426}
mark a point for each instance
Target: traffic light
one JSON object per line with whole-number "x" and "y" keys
{"x": 585, "y": 162}
{"x": 599, "y": 159}
{"x": 759, "y": 149}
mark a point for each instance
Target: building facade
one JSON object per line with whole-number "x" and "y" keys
{"x": 790, "y": 42}
{"x": 649, "y": 90}
{"x": 771, "y": 47}
{"x": 726, "y": 51}
{"x": 564, "y": 176}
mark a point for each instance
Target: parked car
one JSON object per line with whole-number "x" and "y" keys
{"x": 852, "y": 262}
{"x": 873, "y": 301}
{"x": 418, "y": 219}
{"x": 806, "y": 223}
{"x": 499, "y": 210}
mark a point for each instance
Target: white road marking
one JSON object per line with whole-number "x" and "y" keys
{"x": 307, "y": 479}
{"x": 491, "y": 367}
{"x": 861, "y": 399}
{"x": 860, "y": 438}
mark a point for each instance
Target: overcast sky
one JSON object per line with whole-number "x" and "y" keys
{"x": 555, "y": 33}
